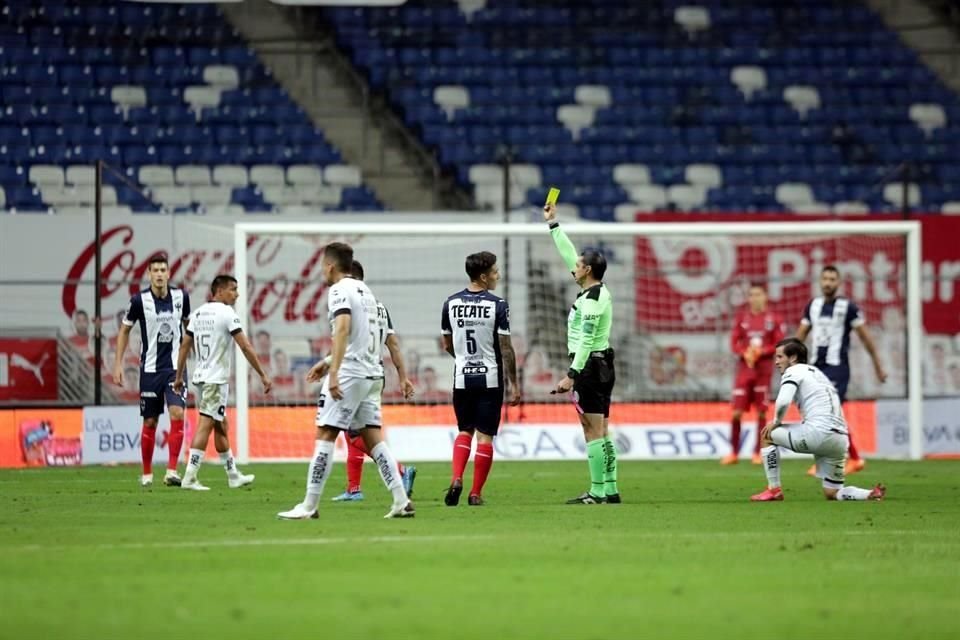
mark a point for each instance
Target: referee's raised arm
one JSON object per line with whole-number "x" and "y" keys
{"x": 567, "y": 251}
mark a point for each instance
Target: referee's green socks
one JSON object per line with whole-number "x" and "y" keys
{"x": 596, "y": 457}
{"x": 609, "y": 467}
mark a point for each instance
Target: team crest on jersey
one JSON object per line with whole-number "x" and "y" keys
{"x": 165, "y": 332}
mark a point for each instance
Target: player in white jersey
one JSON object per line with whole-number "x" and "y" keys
{"x": 161, "y": 311}
{"x": 475, "y": 330}
{"x": 212, "y": 331}
{"x": 352, "y": 387}
{"x": 356, "y": 449}
{"x": 823, "y": 431}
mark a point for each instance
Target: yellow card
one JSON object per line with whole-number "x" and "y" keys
{"x": 552, "y": 195}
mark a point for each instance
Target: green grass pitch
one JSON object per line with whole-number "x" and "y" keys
{"x": 87, "y": 553}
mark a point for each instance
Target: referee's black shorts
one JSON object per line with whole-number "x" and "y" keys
{"x": 478, "y": 409}
{"x": 594, "y": 386}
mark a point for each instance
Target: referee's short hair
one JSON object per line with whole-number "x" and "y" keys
{"x": 595, "y": 260}
{"x": 341, "y": 254}
{"x": 794, "y": 347}
{"x": 356, "y": 270}
{"x": 220, "y": 282}
{"x": 478, "y": 264}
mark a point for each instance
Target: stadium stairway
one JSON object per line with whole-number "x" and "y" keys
{"x": 923, "y": 30}
{"x": 400, "y": 174}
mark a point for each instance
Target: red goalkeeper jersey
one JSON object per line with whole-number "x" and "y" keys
{"x": 765, "y": 329}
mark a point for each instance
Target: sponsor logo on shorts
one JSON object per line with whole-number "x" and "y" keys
{"x": 148, "y": 394}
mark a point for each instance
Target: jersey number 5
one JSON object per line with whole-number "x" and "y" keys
{"x": 471, "y": 341}
{"x": 204, "y": 343}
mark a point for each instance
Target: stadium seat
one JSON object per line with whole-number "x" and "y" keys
{"x": 929, "y": 117}
{"x": 451, "y": 98}
{"x": 200, "y": 97}
{"x": 170, "y": 197}
{"x": 155, "y": 175}
{"x": 486, "y": 174}
{"x": 749, "y": 79}
{"x": 318, "y": 194}
{"x": 45, "y": 176}
{"x": 128, "y": 97}
{"x": 692, "y": 19}
{"x": 810, "y": 208}
{"x": 687, "y": 196}
{"x": 576, "y": 117}
{"x": 211, "y": 196}
{"x": 222, "y": 76}
{"x": 305, "y": 174}
{"x": 491, "y": 196}
{"x": 525, "y": 176}
{"x": 803, "y": 99}
{"x": 651, "y": 196}
{"x": 264, "y": 175}
{"x": 626, "y": 212}
{"x": 706, "y": 175}
{"x": 596, "y": 96}
{"x": 192, "y": 175}
{"x": 792, "y": 194}
{"x": 230, "y": 175}
{"x": 280, "y": 195}
{"x": 81, "y": 174}
{"x": 951, "y": 208}
{"x": 852, "y": 207}
{"x": 342, "y": 175}
{"x": 3, "y": 198}
{"x": 893, "y": 194}
{"x": 628, "y": 175}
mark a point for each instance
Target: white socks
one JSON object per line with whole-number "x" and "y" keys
{"x": 771, "y": 465}
{"x": 853, "y": 493}
{"x": 390, "y": 473}
{"x": 320, "y": 467}
{"x": 193, "y": 464}
{"x": 229, "y": 464}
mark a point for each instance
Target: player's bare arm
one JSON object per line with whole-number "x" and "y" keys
{"x": 341, "y": 333}
{"x": 510, "y": 363}
{"x": 186, "y": 345}
{"x": 447, "y": 343}
{"x": 247, "y": 350}
{"x": 123, "y": 339}
{"x": 393, "y": 346}
{"x": 871, "y": 348}
{"x": 802, "y": 332}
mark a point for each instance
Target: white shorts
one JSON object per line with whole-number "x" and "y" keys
{"x": 212, "y": 400}
{"x": 359, "y": 407}
{"x": 829, "y": 448}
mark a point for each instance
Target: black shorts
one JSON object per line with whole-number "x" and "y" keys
{"x": 156, "y": 389}
{"x": 478, "y": 409}
{"x": 839, "y": 375}
{"x": 594, "y": 386}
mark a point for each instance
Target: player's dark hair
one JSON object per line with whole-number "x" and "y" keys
{"x": 341, "y": 254}
{"x": 80, "y": 312}
{"x": 794, "y": 347}
{"x": 158, "y": 258}
{"x": 478, "y": 264}
{"x": 356, "y": 270}
{"x": 220, "y": 282}
{"x": 758, "y": 285}
{"x": 830, "y": 269}
{"x": 595, "y": 260}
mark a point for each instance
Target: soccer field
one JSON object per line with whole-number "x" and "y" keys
{"x": 88, "y": 553}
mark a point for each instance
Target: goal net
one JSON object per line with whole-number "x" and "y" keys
{"x": 676, "y": 290}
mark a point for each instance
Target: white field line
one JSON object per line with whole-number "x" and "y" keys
{"x": 454, "y": 538}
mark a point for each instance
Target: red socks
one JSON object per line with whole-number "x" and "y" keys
{"x": 147, "y": 437}
{"x": 461, "y": 453}
{"x": 735, "y": 435}
{"x": 852, "y": 450}
{"x": 481, "y": 467}
{"x": 356, "y": 450}
{"x": 174, "y": 444}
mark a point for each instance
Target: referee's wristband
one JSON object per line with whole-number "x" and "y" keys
{"x": 554, "y": 224}
{"x": 572, "y": 374}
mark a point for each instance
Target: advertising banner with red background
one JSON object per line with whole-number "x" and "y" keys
{"x": 693, "y": 279}
{"x": 28, "y": 369}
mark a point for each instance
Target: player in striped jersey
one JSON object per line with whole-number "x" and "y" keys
{"x": 831, "y": 318}
{"x": 823, "y": 431}
{"x": 162, "y": 312}
{"x": 356, "y": 448}
{"x": 475, "y": 330}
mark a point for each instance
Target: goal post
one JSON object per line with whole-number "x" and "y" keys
{"x": 540, "y": 290}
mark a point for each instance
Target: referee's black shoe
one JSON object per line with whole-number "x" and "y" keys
{"x": 452, "y": 498}
{"x": 586, "y": 498}
{"x": 614, "y": 499}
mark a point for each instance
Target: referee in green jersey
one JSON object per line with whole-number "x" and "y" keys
{"x": 591, "y": 375}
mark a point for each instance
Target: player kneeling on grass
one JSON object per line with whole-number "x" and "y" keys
{"x": 213, "y": 328}
{"x": 352, "y": 387}
{"x": 823, "y": 431}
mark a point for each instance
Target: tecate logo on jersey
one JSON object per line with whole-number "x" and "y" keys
{"x": 289, "y": 293}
